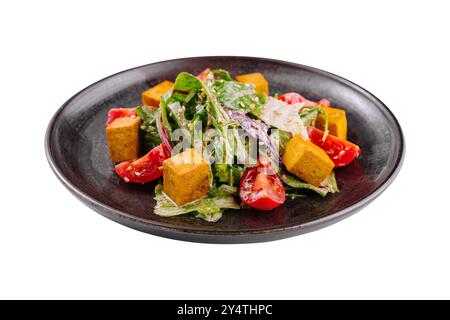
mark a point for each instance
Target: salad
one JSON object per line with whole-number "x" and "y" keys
{"x": 213, "y": 142}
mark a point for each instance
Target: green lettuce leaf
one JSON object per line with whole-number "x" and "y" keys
{"x": 209, "y": 208}
{"x": 329, "y": 185}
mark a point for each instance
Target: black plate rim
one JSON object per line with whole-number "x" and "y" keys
{"x": 167, "y": 230}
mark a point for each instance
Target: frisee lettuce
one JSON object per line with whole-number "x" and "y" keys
{"x": 148, "y": 116}
{"x": 309, "y": 117}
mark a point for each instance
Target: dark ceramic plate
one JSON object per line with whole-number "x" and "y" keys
{"x": 77, "y": 152}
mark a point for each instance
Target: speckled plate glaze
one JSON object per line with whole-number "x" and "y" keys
{"x": 76, "y": 149}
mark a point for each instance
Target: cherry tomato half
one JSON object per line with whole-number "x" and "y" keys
{"x": 261, "y": 188}
{"x": 115, "y": 113}
{"x": 340, "y": 151}
{"x": 144, "y": 169}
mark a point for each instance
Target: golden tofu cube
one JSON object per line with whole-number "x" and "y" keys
{"x": 261, "y": 84}
{"x": 337, "y": 122}
{"x": 307, "y": 161}
{"x": 186, "y": 177}
{"x": 123, "y": 138}
{"x": 152, "y": 96}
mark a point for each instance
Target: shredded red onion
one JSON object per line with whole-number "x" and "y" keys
{"x": 162, "y": 131}
{"x": 256, "y": 130}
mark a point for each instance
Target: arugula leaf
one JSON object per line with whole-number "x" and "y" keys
{"x": 221, "y": 119}
{"x": 329, "y": 185}
{"x": 176, "y": 112}
{"x": 185, "y": 84}
{"x": 209, "y": 208}
{"x": 178, "y": 105}
{"x": 163, "y": 107}
{"x": 220, "y": 74}
{"x": 239, "y": 96}
{"x": 222, "y": 172}
{"x": 148, "y": 116}
{"x": 196, "y": 106}
{"x": 226, "y": 173}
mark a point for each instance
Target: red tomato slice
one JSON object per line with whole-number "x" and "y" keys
{"x": 340, "y": 151}
{"x": 144, "y": 169}
{"x": 261, "y": 188}
{"x": 293, "y": 97}
{"x": 115, "y": 113}
{"x": 202, "y": 75}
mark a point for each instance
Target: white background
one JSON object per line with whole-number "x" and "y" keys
{"x": 52, "y": 246}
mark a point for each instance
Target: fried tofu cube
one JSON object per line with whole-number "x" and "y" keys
{"x": 337, "y": 122}
{"x": 186, "y": 177}
{"x": 261, "y": 84}
{"x": 307, "y": 161}
{"x": 123, "y": 138}
{"x": 152, "y": 96}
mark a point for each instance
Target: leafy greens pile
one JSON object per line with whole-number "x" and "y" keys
{"x": 228, "y": 106}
